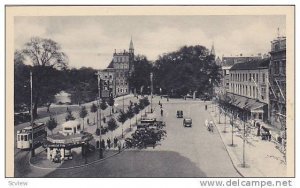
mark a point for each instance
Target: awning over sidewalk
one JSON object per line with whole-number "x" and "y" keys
{"x": 249, "y": 104}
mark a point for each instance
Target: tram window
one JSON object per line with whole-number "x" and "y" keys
{"x": 25, "y": 137}
{"x": 22, "y": 137}
{"x": 18, "y": 137}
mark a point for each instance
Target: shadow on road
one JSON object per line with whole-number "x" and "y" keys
{"x": 137, "y": 163}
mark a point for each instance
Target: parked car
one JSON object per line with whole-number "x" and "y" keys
{"x": 179, "y": 114}
{"x": 187, "y": 122}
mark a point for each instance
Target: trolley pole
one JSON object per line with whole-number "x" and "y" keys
{"x": 31, "y": 117}
{"x": 151, "y": 79}
{"x": 99, "y": 96}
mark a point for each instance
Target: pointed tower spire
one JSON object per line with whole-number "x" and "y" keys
{"x": 212, "y": 51}
{"x": 131, "y": 48}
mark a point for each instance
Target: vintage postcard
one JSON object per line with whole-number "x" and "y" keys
{"x": 150, "y": 91}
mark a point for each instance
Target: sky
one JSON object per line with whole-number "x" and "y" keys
{"x": 91, "y": 40}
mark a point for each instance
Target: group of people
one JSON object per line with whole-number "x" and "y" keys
{"x": 108, "y": 143}
{"x": 209, "y": 125}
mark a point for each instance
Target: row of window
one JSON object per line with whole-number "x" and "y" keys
{"x": 242, "y": 77}
{"x": 249, "y": 91}
{"x": 121, "y": 59}
{"x": 121, "y": 74}
{"x": 121, "y": 82}
{"x": 120, "y": 90}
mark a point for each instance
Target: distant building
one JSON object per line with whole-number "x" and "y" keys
{"x": 118, "y": 71}
{"x": 108, "y": 82}
{"x": 278, "y": 82}
{"x": 227, "y": 62}
{"x": 248, "y": 84}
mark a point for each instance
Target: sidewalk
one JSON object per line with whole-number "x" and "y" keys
{"x": 262, "y": 157}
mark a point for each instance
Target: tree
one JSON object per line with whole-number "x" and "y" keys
{"x": 94, "y": 109}
{"x": 103, "y": 106}
{"x": 190, "y": 69}
{"x": 82, "y": 114}
{"x": 112, "y": 124}
{"x": 21, "y": 83}
{"x": 69, "y": 116}
{"x": 111, "y": 102}
{"x": 136, "y": 111}
{"x": 137, "y": 78}
{"x": 122, "y": 118}
{"x": 51, "y": 124}
{"x": 46, "y": 57}
{"x": 130, "y": 113}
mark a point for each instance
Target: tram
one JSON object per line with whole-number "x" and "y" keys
{"x": 24, "y": 136}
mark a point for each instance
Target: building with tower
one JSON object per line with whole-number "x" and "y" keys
{"x": 118, "y": 72}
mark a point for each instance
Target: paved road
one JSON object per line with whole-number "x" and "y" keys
{"x": 186, "y": 152}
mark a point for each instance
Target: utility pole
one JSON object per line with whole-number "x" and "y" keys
{"x": 31, "y": 117}
{"x": 99, "y": 96}
{"x": 151, "y": 79}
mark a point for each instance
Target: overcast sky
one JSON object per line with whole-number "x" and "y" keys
{"x": 90, "y": 41}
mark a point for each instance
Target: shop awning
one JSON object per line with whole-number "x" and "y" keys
{"x": 246, "y": 103}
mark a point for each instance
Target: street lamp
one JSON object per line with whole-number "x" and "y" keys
{"x": 151, "y": 79}
{"x": 31, "y": 117}
{"x": 99, "y": 96}
{"x": 244, "y": 137}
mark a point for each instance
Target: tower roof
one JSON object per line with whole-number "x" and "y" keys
{"x": 131, "y": 45}
{"x": 212, "y": 52}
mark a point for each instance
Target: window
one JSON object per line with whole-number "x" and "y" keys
{"x": 22, "y": 137}
{"x": 25, "y": 137}
{"x": 246, "y": 91}
{"x": 250, "y": 91}
{"x": 263, "y": 78}
{"x": 253, "y": 91}
{"x": 18, "y": 137}
{"x": 246, "y": 78}
{"x": 256, "y": 77}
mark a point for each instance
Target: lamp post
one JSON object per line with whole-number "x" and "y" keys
{"x": 151, "y": 79}
{"x": 99, "y": 96}
{"x": 244, "y": 137}
{"x": 31, "y": 117}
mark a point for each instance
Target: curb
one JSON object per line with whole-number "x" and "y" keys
{"x": 233, "y": 164}
{"x": 78, "y": 166}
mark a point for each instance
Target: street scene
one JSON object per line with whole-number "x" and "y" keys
{"x": 99, "y": 101}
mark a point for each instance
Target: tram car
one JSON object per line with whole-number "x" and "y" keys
{"x": 24, "y": 136}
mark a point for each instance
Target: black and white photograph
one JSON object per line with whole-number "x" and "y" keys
{"x": 150, "y": 92}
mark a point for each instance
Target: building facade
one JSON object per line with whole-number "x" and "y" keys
{"x": 278, "y": 82}
{"x": 248, "y": 83}
{"x": 227, "y": 62}
{"x": 117, "y": 73}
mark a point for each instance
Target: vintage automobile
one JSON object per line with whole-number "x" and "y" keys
{"x": 187, "y": 122}
{"x": 179, "y": 114}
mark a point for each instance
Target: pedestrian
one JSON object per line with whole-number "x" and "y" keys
{"x": 161, "y": 112}
{"x": 102, "y": 144}
{"x": 115, "y": 142}
{"x": 258, "y": 129}
{"x": 108, "y": 143}
{"x": 206, "y": 107}
{"x": 88, "y": 121}
{"x": 158, "y": 102}
{"x": 119, "y": 146}
{"x": 104, "y": 119}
